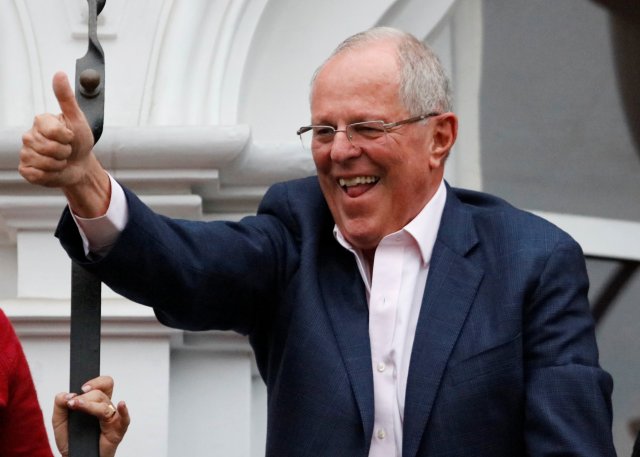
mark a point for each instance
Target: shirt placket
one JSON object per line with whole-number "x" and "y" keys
{"x": 383, "y": 304}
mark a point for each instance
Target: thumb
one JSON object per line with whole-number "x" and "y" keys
{"x": 60, "y": 414}
{"x": 60, "y": 424}
{"x": 66, "y": 98}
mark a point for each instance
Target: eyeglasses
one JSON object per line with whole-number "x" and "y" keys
{"x": 360, "y": 134}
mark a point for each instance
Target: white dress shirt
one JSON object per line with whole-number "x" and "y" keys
{"x": 394, "y": 293}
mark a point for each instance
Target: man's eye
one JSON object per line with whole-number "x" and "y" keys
{"x": 369, "y": 130}
{"x": 323, "y": 131}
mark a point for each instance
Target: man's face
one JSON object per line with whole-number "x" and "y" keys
{"x": 397, "y": 177}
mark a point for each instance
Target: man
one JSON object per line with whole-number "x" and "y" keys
{"x": 389, "y": 313}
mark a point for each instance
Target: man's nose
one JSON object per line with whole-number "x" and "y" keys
{"x": 342, "y": 148}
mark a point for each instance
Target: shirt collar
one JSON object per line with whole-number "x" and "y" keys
{"x": 423, "y": 228}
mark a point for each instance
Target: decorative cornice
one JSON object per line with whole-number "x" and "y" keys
{"x": 147, "y": 148}
{"x": 42, "y": 318}
{"x": 50, "y": 317}
{"x": 43, "y": 212}
{"x": 181, "y": 171}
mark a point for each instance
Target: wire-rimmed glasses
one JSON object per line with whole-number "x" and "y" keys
{"x": 360, "y": 134}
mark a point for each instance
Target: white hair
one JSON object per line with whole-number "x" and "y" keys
{"x": 424, "y": 85}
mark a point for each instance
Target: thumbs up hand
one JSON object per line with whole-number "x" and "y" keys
{"x": 58, "y": 152}
{"x": 57, "y": 145}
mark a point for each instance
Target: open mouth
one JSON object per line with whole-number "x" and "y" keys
{"x": 358, "y": 185}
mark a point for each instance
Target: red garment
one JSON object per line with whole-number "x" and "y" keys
{"x": 22, "y": 432}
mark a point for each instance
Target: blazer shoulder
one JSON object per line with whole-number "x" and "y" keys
{"x": 299, "y": 204}
{"x": 303, "y": 191}
{"x": 498, "y": 219}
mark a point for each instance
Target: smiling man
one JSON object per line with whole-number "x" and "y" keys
{"x": 390, "y": 314}
{"x": 377, "y": 176}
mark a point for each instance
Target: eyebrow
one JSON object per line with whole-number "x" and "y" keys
{"x": 351, "y": 120}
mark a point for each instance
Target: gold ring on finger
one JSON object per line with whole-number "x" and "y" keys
{"x": 111, "y": 411}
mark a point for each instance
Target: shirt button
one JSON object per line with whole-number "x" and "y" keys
{"x": 381, "y": 367}
{"x": 381, "y": 434}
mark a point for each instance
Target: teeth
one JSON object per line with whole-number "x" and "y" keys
{"x": 357, "y": 180}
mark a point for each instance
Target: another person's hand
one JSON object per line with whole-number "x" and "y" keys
{"x": 96, "y": 400}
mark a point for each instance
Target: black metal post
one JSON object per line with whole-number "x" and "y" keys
{"x": 84, "y": 430}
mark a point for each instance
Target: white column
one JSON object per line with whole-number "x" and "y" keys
{"x": 214, "y": 401}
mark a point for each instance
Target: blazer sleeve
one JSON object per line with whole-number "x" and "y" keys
{"x": 568, "y": 396}
{"x": 197, "y": 275}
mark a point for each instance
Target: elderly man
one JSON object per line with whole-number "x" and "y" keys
{"x": 390, "y": 314}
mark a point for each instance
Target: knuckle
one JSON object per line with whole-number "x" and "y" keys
{"x": 49, "y": 130}
{"x": 23, "y": 172}
{"x": 52, "y": 127}
{"x": 24, "y": 154}
{"x": 27, "y": 138}
{"x": 39, "y": 119}
{"x": 54, "y": 150}
{"x": 32, "y": 175}
{"x": 47, "y": 148}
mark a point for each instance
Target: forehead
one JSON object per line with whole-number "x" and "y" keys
{"x": 359, "y": 82}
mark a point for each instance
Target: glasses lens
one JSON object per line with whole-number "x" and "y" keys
{"x": 305, "y": 139}
{"x": 362, "y": 133}
{"x": 317, "y": 137}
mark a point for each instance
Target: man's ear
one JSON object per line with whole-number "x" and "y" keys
{"x": 445, "y": 132}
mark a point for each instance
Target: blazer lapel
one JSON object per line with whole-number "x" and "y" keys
{"x": 345, "y": 300}
{"x": 451, "y": 287}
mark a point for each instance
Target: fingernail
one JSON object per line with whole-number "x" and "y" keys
{"x": 69, "y": 396}
{"x": 86, "y": 388}
{"x": 71, "y": 403}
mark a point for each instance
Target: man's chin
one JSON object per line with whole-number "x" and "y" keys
{"x": 360, "y": 238}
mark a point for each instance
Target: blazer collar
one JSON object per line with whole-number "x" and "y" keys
{"x": 344, "y": 297}
{"x": 451, "y": 287}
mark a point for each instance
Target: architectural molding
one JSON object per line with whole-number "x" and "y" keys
{"x": 180, "y": 171}
{"x": 599, "y": 236}
{"x": 50, "y": 318}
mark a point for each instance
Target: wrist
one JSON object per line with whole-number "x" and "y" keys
{"x": 90, "y": 196}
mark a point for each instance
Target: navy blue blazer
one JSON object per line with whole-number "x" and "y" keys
{"x": 504, "y": 361}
